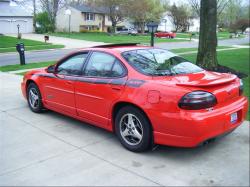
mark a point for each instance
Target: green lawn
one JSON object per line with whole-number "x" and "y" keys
{"x": 220, "y": 35}
{"x": 104, "y": 37}
{"x": 27, "y": 66}
{"x": 183, "y": 50}
{"x": 236, "y": 59}
{"x": 8, "y": 44}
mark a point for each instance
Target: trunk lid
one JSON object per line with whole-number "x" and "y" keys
{"x": 224, "y": 86}
{"x": 204, "y": 79}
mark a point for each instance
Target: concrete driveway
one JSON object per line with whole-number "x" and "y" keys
{"x": 51, "y": 149}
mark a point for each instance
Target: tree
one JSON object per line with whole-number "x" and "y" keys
{"x": 234, "y": 11}
{"x": 144, "y": 11}
{"x": 221, "y": 4}
{"x": 34, "y": 14}
{"x": 44, "y": 23}
{"x": 207, "y": 55}
{"x": 52, "y": 7}
{"x": 116, "y": 10}
{"x": 240, "y": 24}
{"x": 180, "y": 17}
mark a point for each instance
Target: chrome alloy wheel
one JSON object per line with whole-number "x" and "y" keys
{"x": 131, "y": 129}
{"x": 33, "y": 98}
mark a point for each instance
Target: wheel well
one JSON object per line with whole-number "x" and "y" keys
{"x": 28, "y": 83}
{"x": 120, "y": 105}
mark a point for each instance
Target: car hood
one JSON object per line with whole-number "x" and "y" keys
{"x": 202, "y": 79}
{"x": 37, "y": 71}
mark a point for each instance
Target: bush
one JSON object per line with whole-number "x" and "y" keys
{"x": 44, "y": 23}
{"x": 240, "y": 25}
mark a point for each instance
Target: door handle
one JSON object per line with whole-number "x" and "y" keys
{"x": 69, "y": 82}
{"x": 116, "y": 88}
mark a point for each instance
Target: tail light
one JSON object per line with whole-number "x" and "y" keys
{"x": 197, "y": 100}
{"x": 241, "y": 88}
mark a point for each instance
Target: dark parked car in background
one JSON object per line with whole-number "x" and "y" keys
{"x": 126, "y": 31}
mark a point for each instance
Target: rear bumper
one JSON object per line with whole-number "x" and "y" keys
{"x": 191, "y": 128}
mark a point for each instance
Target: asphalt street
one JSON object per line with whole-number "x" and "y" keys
{"x": 52, "y": 149}
{"x": 49, "y": 55}
{"x": 34, "y": 56}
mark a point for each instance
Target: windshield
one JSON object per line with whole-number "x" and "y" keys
{"x": 159, "y": 62}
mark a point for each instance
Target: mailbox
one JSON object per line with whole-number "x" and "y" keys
{"x": 20, "y": 49}
{"x": 46, "y": 38}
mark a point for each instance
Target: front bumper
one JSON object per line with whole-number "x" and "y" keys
{"x": 23, "y": 88}
{"x": 191, "y": 128}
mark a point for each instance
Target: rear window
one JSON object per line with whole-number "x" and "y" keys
{"x": 159, "y": 62}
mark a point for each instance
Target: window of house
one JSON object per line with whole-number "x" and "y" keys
{"x": 89, "y": 16}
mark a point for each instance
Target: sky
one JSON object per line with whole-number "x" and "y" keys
{"x": 180, "y": 1}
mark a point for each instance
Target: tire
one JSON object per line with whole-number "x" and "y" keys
{"x": 127, "y": 131}
{"x": 35, "y": 102}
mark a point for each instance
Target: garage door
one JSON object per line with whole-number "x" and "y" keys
{"x": 9, "y": 26}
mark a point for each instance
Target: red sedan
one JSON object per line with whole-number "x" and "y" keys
{"x": 165, "y": 35}
{"x": 145, "y": 95}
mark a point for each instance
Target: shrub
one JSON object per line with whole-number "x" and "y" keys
{"x": 44, "y": 23}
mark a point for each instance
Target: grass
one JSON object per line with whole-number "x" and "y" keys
{"x": 183, "y": 50}
{"x": 237, "y": 59}
{"x": 27, "y": 66}
{"x": 144, "y": 39}
{"x": 22, "y": 73}
{"x": 104, "y": 37}
{"x": 220, "y": 35}
{"x": 8, "y": 44}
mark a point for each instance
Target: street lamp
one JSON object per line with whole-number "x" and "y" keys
{"x": 152, "y": 28}
{"x": 18, "y": 31}
{"x": 165, "y": 21}
{"x": 18, "y": 28}
{"x": 68, "y": 12}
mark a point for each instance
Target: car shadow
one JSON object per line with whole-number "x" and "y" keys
{"x": 173, "y": 153}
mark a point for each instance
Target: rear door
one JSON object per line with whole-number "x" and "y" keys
{"x": 102, "y": 84}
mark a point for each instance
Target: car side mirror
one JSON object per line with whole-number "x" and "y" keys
{"x": 51, "y": 69}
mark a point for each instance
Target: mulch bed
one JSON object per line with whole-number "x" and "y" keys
{"x": 225, "y": 69}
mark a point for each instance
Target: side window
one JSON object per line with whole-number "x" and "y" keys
{"x": 73, "y": 65}
{"x": 103, "y": 65}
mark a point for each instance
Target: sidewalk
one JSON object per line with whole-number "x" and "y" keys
{"x": 69, "y": 43}
{"x": 52, "y": 149}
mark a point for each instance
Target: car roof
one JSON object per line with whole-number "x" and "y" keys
{"x": 122, "y": 47}
{"x": 118, "y": 48}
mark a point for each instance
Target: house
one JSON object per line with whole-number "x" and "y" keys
{"x": 84, "y": 17}
{"x": 13, "y": 15}
{"x": 167, "y": 25}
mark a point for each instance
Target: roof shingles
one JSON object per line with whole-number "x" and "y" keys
{"x": 12, "y": 11}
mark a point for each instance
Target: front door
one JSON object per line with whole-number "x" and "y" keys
{"x": 59, "y": 88}
{"x": 102, "y": 84}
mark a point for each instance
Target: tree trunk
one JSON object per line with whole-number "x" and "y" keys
{"x": 34, "y": 15}
{"x": 142, "y": 27}
{"x": 207, "y": 55}
{"x": 113, "y": 27}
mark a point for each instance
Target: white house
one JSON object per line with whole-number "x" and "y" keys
{"x": 13, "y": 15}
{"x": 167, "y": 25}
